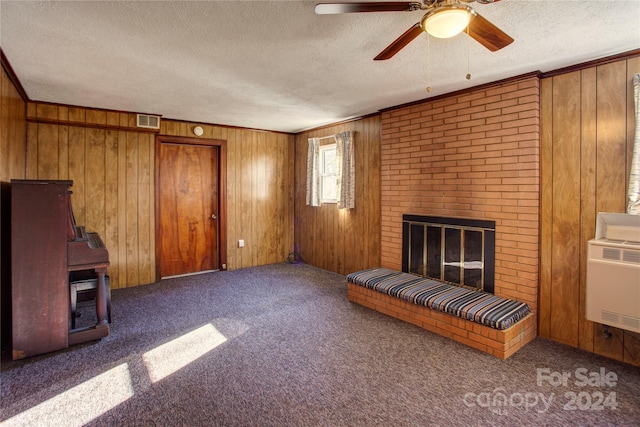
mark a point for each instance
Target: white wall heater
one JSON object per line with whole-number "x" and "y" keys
{"x": 613, "y": 272}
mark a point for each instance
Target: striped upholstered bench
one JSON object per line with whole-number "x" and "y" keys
{"x": 418, "y": 299}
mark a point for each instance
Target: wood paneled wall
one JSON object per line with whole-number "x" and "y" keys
{"x": 13, "y": 130}
{"x": 112, "y": 165}
{"x": 587, "y": 127}
{"x": 259, "y": 191}
{"x": 342, "y": 240}
{"x": 13, "y": 137}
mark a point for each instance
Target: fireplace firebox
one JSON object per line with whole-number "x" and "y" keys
{"x": 459, "y": 251}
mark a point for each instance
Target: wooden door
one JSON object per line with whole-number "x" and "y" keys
{"x": 188, "y": 195}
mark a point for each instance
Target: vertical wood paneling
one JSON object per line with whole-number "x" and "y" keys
{"x": 233, "y": 252}
{"x": 95, "y": 180}
{"x": 113, "y": 191}
{"x": 268, "y": 156}
{"x": 76, "y": 114}
{"x": 121, "y": 248}
{"x": 6, "y": 90}
{"x": 566, "y": 209}
{"x": 113, "y": 118}
{"x": 144, "y": 208}
{"x": 611, "y": 137}
{"x": 273, "y": 188}
{"x": 77, "y": 166}
{"x": 342, "y": 240}
{"x": 371, "y": 136}
{"x": 305, "y": 242}
{"x": 546, "y": 206}
{"x": 588, "y": 159}
{"x": 279, "y": 171}
{"x": 289, "y": 195}
{"x": 259, "y": 180}
{"x": 13, "y": 162}
{"x": 246, "y": 200}
{"x": 15, "y": 133}
{"x": 32, "y": 152}
{"x": 604, "y": 138}
{"x": 631, "y": 350}
{"x": 98, "y": 117}
{"x": 151, "y": 217}
{"x": 47, "y": 111}
{"x": 94, "y": 159}
{"x": 63, "y": 112}
{"x": 63, "y": 152}
{"x": 48, "y": 151}
{"x": 611, "y": 178}
{"x": 111, "y": 232}
{"x": 363, "y": 168}
{"x": 131, "y": 208}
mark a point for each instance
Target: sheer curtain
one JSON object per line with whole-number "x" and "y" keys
{"x": 313, "y": 172}
{"x": 346, "y": 170}
{"x": 633, "y": 204}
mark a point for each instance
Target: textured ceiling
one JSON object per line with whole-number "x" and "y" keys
{"x": 276, "y": 65}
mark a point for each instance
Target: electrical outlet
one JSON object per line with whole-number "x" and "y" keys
{"x": 241, "y": 243}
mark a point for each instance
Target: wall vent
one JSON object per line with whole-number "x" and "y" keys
{"x": 632, "y": 322}
{"x": 610, "y": 317}
{"x": 631, "y": 256}
{"x": 149, "y": 122}
{"x": 611, "y": 253}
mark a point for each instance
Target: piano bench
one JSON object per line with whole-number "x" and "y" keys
{"x": 85, "y": 288}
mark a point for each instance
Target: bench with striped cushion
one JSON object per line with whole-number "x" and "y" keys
{"x": 476, "y": 306}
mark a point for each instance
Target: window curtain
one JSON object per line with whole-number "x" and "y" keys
{"x": 346, "y": 172}
{"x": 633, "y": 204}
{"x": 313, "y": 172}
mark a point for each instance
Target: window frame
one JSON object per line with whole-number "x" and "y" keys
{"x": 323, "y": 174}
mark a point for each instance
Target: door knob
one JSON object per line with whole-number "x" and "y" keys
{"x": 214, "y": 216}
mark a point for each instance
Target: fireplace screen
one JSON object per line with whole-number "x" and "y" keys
{"x": 452, "y": 250}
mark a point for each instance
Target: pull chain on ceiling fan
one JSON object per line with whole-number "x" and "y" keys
{"x": 443, "y": 19}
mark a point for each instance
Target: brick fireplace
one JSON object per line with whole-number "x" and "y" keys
{"x": 472, "y": 155}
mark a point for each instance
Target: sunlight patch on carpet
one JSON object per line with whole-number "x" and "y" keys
{"x": 168, "y": 358}
{"x": 80, "y": 404}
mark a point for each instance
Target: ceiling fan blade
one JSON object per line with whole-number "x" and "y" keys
{"x": 385, "y": 6}
{"x": 400, "y": 42}
{"x": 487, "y": 34}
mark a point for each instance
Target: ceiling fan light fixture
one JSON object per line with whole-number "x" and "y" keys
{"x": 447, "y": 21}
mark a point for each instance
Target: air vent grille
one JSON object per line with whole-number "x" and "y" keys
{"x": 633, "y": 322}
{"x": 631, "y": 256}
{"x": 611, "y": 253}
{"x": 608, "y": 316}
{"x": 149, "y": 122}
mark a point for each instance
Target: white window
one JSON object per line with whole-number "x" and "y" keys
{"x": 328, "y": 174}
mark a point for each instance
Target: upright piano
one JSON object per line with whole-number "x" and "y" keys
{"x": 46, "y": 245}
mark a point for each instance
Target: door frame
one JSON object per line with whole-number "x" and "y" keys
{"x": 222, "y": 193}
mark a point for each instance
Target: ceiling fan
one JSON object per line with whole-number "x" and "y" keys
{"x": 443, "y": 19}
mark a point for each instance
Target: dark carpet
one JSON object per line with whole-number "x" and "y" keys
{"x": 280, "y": 345}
